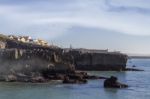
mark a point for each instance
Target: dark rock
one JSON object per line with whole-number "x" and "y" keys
{"x": 112, "y": 83}
{"x": 75, "y": 76}
{"x": 67, "y": 80}
{"x": 84, "y": 75}
{"x": 94, "y": 77}
{"x": 38, "y": 79}
{"x": 59, "y": 77}
{"x": 98, "y": 61}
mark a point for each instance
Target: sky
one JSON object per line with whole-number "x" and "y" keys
{"x": 117, "y": 25}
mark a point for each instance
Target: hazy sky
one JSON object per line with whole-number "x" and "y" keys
{"x": 103, "y": 24}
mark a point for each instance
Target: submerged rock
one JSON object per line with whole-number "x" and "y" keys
{"x": 113, "y": 83}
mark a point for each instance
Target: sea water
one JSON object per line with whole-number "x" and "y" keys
{"x": 139, "y": 86}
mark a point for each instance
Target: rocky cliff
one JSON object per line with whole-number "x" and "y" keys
{"x": 99, "y": 61}
{"x": 58, "y": 58}
{"x": 31, "y": 62}
{"x": 26, "y": 60}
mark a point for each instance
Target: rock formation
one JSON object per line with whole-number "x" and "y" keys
{"x": 99, "y": 61}
{"x": 29, "y": 62}
{"x": 113, "y": 83}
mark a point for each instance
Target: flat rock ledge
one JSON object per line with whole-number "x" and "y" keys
{"x": 44, "y": 77}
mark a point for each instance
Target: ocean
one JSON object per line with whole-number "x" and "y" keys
{"x": 138, "y": 81}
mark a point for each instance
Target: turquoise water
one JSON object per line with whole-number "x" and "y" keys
{"x": 139, "y": 83}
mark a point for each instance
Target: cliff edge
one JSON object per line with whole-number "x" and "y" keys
{"x": 25, "y": 59}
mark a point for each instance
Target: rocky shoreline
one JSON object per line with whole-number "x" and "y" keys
{"x": 66, "y": 78}
{"x": 27, "y": 62}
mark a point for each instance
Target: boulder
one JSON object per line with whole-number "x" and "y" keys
{"x": 113, "y": 83}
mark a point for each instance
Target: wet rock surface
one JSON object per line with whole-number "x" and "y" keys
{"x": 113, "y": 83}
{"x": 66, "y": 78}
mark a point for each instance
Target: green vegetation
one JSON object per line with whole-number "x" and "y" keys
{"x": 3, "y": 37}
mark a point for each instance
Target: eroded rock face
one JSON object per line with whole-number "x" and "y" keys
{"x": 29, "y": 62}
{"x": 33, "y": 63}
{"x": 82, "y": 61}
{"x": 99, "y": 61}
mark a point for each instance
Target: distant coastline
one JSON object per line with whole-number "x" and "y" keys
{"x": 139, "y": 57}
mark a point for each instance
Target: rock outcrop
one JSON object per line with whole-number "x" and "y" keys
{"x": 113, "y": 83}
{"x": 29, "y": 62}
{"x": 99, "y": 61}
{"x": 32, "y": 63}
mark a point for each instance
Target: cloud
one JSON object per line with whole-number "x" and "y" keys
{"x": 129, "y": 3}
{"x": 52, "y": 18}
{"x": 128, "y": 6}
